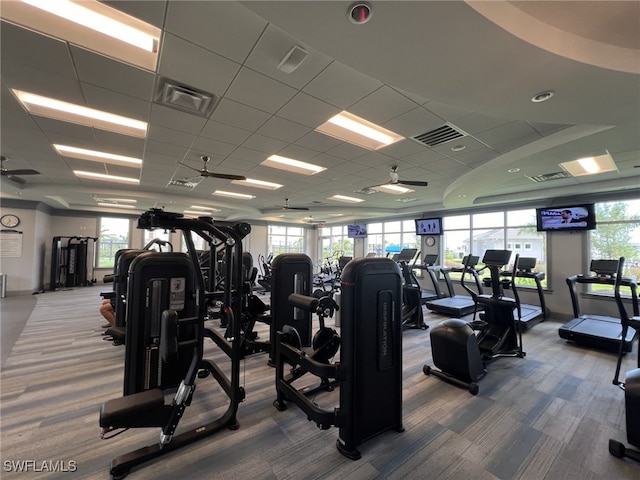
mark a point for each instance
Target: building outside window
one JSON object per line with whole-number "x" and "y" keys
{"x": 617, "y": 234}
{"x": 114, "y": 235}
{"x": 283, "y": 239}
{"x": 475, "y": 233}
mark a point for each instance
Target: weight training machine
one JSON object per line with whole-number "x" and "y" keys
{"x": 369, "y": 374}
{"x": 165, "y": 331}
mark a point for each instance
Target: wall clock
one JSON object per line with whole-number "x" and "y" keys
{"x": 9, "y": 220}
{"x": 430, "y": 241}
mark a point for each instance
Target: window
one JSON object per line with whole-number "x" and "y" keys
{"x": 285, "y": 239}
{"x": 512, "y": 230}
{"x": 114, "y": 235}
{"x": 389, "y": 238}
{"x": 335, "y": 242}
{"x": 157, "y": 234}
{"x": 617, "y": 235}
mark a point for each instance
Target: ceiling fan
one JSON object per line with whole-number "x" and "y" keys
{"x": 310, "y": 221}
{"x": 21, "y": 171}
{"x": 287, "y": 207}
{"x": 206, "y": 173}
{"x": 395, "y": 179}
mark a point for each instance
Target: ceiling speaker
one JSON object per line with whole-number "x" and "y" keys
{"x": 293, "y": 59}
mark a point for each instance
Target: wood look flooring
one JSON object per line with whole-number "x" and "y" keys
{"x": 547, "y": 416}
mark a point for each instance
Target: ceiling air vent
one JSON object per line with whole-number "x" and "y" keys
{"x": 443, "y": 134}
{"x": 366, "y": 191}
{"x": 186, "y": 99}
{"x": 545, "y": 177}
{"x": 182, "y": 183}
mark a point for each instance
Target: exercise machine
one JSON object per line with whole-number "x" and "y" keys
{"x": 631, "y": 385}
{"x": 530, "y": 315}
{"x": 290, "y": 273}
{"x": 460, "y": 349}
{"x": 369, "y": 374}
{"x": 429, "y": 266}
{"x": 165, "y": 342}
{"x": 412, "y": 315}
{"x": 71, "y": 259}
{"x": 458, "y": 305}
{"x": 598, "y": 331}
{"x": 628, "y": 323}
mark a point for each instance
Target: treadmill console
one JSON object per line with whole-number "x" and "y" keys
{"x": 604, "y": 268}
{"x": 470, "y": 260}
{"x": 430, "y": 259}
{"x": 496, "y": 258}
{"x": 527, "y": 264}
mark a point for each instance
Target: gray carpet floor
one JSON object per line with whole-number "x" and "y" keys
{"x": 547, "y": 416}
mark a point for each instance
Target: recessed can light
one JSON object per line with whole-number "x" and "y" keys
{"x": 458, "y": 148}
{"x": 542, "y": 96}
{"x": 513, "y": 170}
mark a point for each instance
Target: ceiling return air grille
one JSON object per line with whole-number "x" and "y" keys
{"x": 545, "y": 177}
{"x": 184, "y": 98}
{"x": 443, "y": 134}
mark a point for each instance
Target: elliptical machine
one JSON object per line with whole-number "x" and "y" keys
{"x": 631, "y": 385}
{"x": 458, "y": 351}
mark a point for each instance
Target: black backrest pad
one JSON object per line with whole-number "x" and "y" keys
{"x": 157, "y": 282}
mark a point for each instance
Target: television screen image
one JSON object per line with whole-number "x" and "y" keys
{"x": 356, "y": 231}
{"x": 428, "y": 226}
{"x": 573, "y": 217}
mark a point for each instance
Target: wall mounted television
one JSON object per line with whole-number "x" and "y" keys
{"x": 566, "y": 218}
{"x": 357, "y": 231}
{"x": 429, "y": 226}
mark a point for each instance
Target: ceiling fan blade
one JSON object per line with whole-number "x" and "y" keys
{"x": 14, "y": 179}
{"x": 189, "y": 166}
{"x": 414, "y": 183}
{"x": 24, "y": 171}
{"x": 226, "y": 176}
{"x": 305, "y": 209}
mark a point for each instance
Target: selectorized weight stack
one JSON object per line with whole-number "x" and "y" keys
{"x": 369, "y": 373}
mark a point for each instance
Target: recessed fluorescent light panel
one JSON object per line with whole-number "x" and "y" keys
{"x": 205, "y": 209}
{"x": 353, "y": 129}
{"x": 222, "y": 193}
{"x": 116, "y": 200}
{"x": 95, "y": 156}
{"x": 343, "y": 198}
{"x": 291, "y": 165}
{"x": 106, "y": 178}
{"x": 393, "y": 189}
{"x": 590, "y": 165}
{"x": 89, "y": 117}
{"x": 252, "y": 182}
{"x": 92, "y": 25}
{"x": 115, "y": 205}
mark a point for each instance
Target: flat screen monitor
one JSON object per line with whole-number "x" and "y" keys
{"x": 567, "y": 218}
{"x": 357, "y": 231}
{"x": 428, "y": 226}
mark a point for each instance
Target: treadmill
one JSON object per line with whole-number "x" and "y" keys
{"x": 457, "y": 305}
{"x": 598, "y": 331}
{"x": 530, "y": 315}
{"x": 427, "y": 266}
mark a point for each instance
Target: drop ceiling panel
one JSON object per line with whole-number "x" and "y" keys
{"x": 151, "y": 11}
{"x": 209, "y": 146}
{"x": 382, "y": 105}
{"x": 195, "y": 66}
{"x": 264, "y": 93}
{"x": 317, "y": 142}
{"x": 228, "y": 133}
{"x": 354, "y": 86}
{"x": 43, "y": 52}
{"x": 112, "y": 75}
{"x": 29, "y": 78}
{"x": 273, "y": 46}
{"x": 174, "y": 119}
{"x": 416, "y": 121}
{"x": 169, "y": 135}
{"x": 283, "y": 129}
{"x": 268, "y": 145}
{"x": 307, "y": 110}
{"x": 226, "y": 28}
{"x": 239, "y": 115}
{"x": 114, "y": 102}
